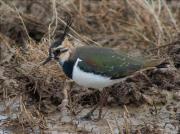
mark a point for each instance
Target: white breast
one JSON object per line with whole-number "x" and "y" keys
{"x": 91, "y": 80}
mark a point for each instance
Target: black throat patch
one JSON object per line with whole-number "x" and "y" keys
{"x": 68, "y": 68}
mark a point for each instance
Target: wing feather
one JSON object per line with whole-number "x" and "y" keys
{"x": 106, "y": 62}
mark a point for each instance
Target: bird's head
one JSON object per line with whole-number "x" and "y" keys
{"x": 57, "y": 48}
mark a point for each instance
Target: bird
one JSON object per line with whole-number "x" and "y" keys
{"x": 92, "y": 66}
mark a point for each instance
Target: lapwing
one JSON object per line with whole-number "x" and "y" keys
{"x": 94, "y": 67}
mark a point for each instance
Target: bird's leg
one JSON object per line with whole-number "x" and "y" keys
{"x": 102, "y": 102}
{"x": 90, "y": 113}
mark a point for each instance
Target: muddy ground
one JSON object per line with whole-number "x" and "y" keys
{"x": 40, "y": 99}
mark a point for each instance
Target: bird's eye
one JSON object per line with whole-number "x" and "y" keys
{"x": 56, "y": 52}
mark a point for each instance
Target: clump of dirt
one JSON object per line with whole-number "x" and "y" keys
{"x": 28, "y": 90}
{"x": 174, "y": 52}
{"x": 21, "y": 74}
{"x": 42, "y": 92}
{"x": 90, "y": 97}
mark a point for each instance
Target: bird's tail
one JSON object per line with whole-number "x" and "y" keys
{"x": 159, "y": 63}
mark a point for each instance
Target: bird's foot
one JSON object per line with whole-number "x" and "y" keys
{"x": 103, "y": 101}
{"x": 90, "y": 114}
{"x": 87, "y": 117}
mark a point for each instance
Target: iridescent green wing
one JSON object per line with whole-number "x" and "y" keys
{"x": 106, "y": 62}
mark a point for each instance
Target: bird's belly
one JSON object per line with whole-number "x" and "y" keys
{"x": 91, "y": 80}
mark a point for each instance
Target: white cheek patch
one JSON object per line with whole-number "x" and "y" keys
{"x": 91, "y": 80}
{"x": 64, "y": 56}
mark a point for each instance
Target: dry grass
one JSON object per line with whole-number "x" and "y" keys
{"x": 29, "y": 27}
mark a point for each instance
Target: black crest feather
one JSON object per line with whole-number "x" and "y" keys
{"x": 61, "y": 37}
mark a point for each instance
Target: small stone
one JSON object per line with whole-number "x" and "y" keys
{"x": 147, "y": 99}
{"x": 176, "y": 96}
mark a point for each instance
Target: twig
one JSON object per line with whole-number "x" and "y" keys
{"x": 110, "y": 127}
{"x": 167, "y": 45}
{"x": 22, "y": 21}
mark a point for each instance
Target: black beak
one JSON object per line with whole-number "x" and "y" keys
{"x": 49, "y": 58}
{"x": 46, "y": 61}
